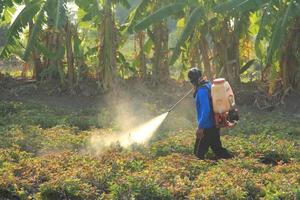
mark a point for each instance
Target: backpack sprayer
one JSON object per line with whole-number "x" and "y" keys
{"x": 223, "y": 103}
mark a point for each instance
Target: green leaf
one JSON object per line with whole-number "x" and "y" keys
{"x": 296, "y": 8}
{"x": 240, "y": 5}
{"x": 278, "y": 33}
{"x": 135, "y": 15}
{"x": 192, "y": 21}
{"x": 265, "y": 19}
{"x": 7, "y": 3}
{"x": 297, "y": 5}
{"x": 7, "y": 15}
{"x": 148, "y": 46}
{"x": 84, "y": 4}
{"x": 56, "y": 13}
{"x": 78, "y": 51}
{"x": 36, "y": 29}
{"x": 19, "y": 24}
{"x": 159, "y": 15}
{"x": 247, "y": 66}
{"x": 227, "y": 6}
{"x": 124, "y": 3}
{"x": 60, "y": 17}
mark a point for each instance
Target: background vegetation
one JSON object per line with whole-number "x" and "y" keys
{"x": 73, "y": 69}
{"x": 111, "y": 40}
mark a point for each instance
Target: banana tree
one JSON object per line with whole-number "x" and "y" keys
{"x": 46, "y": 20}
{"x": 193, "y": 18}
{"x": 101, "y": 14}
{"x": 140, "y": 38}
{"x": 195, "y": 35}
{"x": 158, "y": 33}
{"x": 278, "y": 25}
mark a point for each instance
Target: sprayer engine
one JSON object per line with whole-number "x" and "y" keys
{"x": 227, "y": 119}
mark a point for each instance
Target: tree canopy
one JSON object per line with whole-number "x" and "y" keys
{"x": 154, "y": 40}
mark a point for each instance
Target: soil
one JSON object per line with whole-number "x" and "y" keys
{"x": 87, "y": 95}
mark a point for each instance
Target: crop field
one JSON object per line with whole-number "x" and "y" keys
{"x": 46, "y": 154}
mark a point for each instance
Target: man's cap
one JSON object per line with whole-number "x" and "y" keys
{"x": 194, "y": 75}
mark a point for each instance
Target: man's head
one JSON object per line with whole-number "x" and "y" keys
{"x": 194, "y": 75}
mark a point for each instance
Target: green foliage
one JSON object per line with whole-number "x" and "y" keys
{"x": 55, "y": 163}
{"x": 35, "y": 31}
{"x": 60, "y": 15}
{"x": 18, "y": 26}
{"x": 192, "y": 21}
{"x": 159, "y": 15}
{"x": 279, "y": 31}
{"x": 73, "y": 188}
{"x": 6, "y": 4}
{"x": 124, "y": 3}
{"x": 138, "y": 188}
{"x": 240, "y": 5}
{"x": 262, "y": 31}
{"x": 135, "y": 15}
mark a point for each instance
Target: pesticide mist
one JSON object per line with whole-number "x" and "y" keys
{"x": 139, "y": 135}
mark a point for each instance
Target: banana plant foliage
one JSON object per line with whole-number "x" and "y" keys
{"x": 51, "y": 13}
{"x": 279, "y": 19}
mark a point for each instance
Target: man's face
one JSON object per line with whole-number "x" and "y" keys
{"x": 194, "y": 85}
{"x": 194, "y": 82}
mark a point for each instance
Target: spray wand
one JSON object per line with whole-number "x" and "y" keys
{"x": 172, "y": 107}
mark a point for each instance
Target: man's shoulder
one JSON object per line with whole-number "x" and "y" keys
{"x": 204, "y": 90}
{"x": 205, "y": 87}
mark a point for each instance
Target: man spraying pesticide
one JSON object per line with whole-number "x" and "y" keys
{"x": 215, "y": 109}
{"x": 214, "y": 105}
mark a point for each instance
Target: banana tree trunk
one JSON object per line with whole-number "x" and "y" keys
{"x": 228, "y": 52}
{"x": 204, "y": 48}
{"x": 54, "y": 62}
{"x": 156, "y": 60}
{"x": 107, "y": 48}
{"x": 70, "y": 55}
{"x": 38, "y": 65}
{"x": 160, "y": 68}
{"x": 288, "y": 60}
{"x": 142, "y": 56}
{"x": 234, "y": 53}
{"x": 79, "y": 58}
{"x": 194, "y": 56}
{"x": 165, "y": 73}
{"x": 36, "y": 57}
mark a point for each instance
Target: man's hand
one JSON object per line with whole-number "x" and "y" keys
{"x": 199, "y": 133}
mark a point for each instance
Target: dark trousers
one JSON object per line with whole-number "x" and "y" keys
{"x": 210, "y": 139}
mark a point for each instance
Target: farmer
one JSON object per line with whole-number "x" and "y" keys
{"x": 207, "y": 135}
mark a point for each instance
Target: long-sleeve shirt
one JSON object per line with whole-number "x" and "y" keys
{"x": 205, "y": 115}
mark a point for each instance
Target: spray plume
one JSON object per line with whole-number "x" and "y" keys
{"x": 140, "y": 135}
